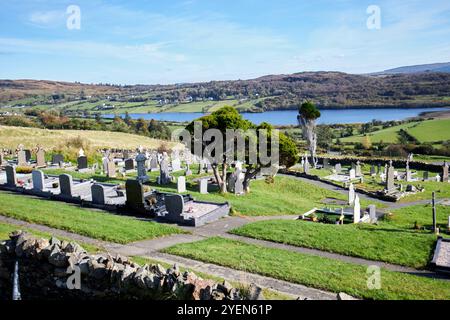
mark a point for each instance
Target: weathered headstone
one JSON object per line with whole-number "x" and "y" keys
{"x": 38, "y": 180}
{"x": 373, "y": 171}
{"x": 445, "y": 172}
{"x": 357, "y": 210}
{"x": 65, "y": 185}
{"x": 164, "y": 176}
{"x": 176, "y": 165}
{"x": 338, "y": 168}
{"x": 98, "y": 194}
{"x": 40, "y": 158}
{"x": 408, "y": 173}
{"x": 306, "y": 167}
{"x": 373, "y": 213}
{"x": 154, "y": 163}
{"x": 203, "y": 186}
{"x": 426, "y": 176}
{"x": 351, "y": 194}
{"x": 390, "y": 178}
{"x": 11, "y": 176}
{"x": 379, "y": 169}
{"x": 326, "y": 163}
{"x": 181, "y": 184}
{"x": 82, "y": 163}
{"x": 129, "y": 164}
{"x": 111, "y": 169}
{"x": 21, "y": 158}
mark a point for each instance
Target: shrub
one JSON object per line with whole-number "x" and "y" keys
{"x": 24, "y": 170}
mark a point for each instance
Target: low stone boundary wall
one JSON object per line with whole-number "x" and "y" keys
{"x": 56, "y": 270}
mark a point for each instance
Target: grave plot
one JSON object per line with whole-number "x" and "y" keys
{"x": 441, "y": 258}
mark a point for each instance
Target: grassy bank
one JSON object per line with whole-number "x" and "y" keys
{"x": 94, "y": 224}
{"x": 312, "y": 271}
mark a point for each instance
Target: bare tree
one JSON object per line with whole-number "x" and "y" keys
{"x": 308, "y": 114}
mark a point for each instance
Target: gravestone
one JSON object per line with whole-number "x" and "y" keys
{"x": 373, "y": 213}
{"x": 57, "y": 159}
{"x": 203, "y": 186}
{"x": 239, "y": 183}
{"x": 352, "y": 174}
{"x": 135, "y": 194}
{"x": 129, "y": 164}
{"x": 445, "y": 172}
{"x": 40, "y": 158}
{"x": 154, "y": 164}
{"x": 141, "y": 169}
{"x": 105, "y": 160}
{"x": 379, "y": 169}
{"x": 164, "y": 176}
{"x": 188, "y": 171}
{"x": 426, "y": 176}
{"x": 174, "y": 207}
{"x": 82, "y": 163}
{"x": 351, "y": 194}
{"x": 98, "y": 194}
{"x": 111, "y": 169}
{"x": 176, "y": 165}
{"x": 357, "y": 210}
{"x": 326, "y": 163}
{"x": 373, "y": 172}
{"x": 338, "y": 168}
{"x": 65, "y": 185}
{"x": 125, "y": 155}
{"x": 21, "y": 158}
{"x": 354, "y": 166}
{"x": 181, "y": 184}
{"x": 358, "y": 171}
{"x": 390, "y": 179}
{"x": 27, "y": 155}
{"x": 2, "y": 160}
{"x": 11, "y": 176}
{"x": 408, "y": 173}
{"x": 38, "y": 180}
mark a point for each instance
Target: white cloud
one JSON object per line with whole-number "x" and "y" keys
{"x": 47, "y": 18}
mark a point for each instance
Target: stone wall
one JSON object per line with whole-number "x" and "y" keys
{"x": 48, "y": 269}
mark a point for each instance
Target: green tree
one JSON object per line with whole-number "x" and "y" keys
{"x": 325, "y": 137}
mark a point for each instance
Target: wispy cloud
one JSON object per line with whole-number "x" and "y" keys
{"x": 47, "y": 18}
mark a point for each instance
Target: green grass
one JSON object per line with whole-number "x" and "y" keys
{"x": 6, "y": 229}
{"x": 94, "y": 224}
{"x": 424, "y": 131}
{"x": 422, "y": 214}
{"x": 383, "y": 243}
{"x": 312, "y": 271}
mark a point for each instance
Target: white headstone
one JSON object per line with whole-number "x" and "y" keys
{"x": 181, "y": 184}
{"x": 203, "y": 186}
{"x": 357, "y": 210}
{"x": 352, "y": 174}
{"x": 351, "y": 194}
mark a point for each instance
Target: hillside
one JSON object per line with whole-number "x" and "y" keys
{"x": 11, "y": 137}
{"x": 327, "y": 89}
{"x": 434, "y": 67}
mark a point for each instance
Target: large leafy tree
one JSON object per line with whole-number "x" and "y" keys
{"x": 229, "y": 118}
{"x": 308, "y": 114}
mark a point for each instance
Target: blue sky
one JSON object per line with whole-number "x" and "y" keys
{"x": 152, "y": 42}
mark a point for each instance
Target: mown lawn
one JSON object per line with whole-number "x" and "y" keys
{"x": 94, "y": 224}
{"x": 313, "y": 271}
{"x": 383, "y": 243}
{"x": 6, "y": 229}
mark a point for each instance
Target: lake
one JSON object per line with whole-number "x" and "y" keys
{"x": 290, "y": 117}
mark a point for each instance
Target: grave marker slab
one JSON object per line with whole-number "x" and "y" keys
{"x": 40, "y": 158}
{"x": 21, "y": 158}
{"x": 98, "y": 194}
{"x": 82, "y": 163}
{"x": 66, "y": 185}
{"x": 357, "y": 210}
{"x": 11, "y": 176}
{"x": 38, "y": 180}
{"x": 181, "y": 184}
{"x": 203, "y": 186}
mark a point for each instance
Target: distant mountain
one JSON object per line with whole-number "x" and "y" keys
{"x": 435, "y": 67}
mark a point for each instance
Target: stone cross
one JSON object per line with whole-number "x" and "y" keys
{"x": 141, "y": 169}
